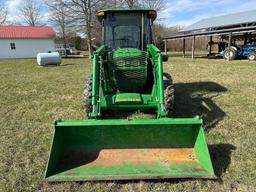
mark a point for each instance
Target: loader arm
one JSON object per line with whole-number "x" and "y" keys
{"x": 156, "y": 59}
{"x": 97, "y": 62}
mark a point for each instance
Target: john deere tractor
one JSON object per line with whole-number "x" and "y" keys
{"x": 127, "y": 73}
{"x": 127, "y": 68}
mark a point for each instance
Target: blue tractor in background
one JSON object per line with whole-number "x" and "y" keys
{"x": 243, "y": 51}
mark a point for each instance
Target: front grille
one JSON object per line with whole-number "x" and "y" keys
{"x": 131, "y": 61}
{"x": 130, "y": 80}
{"x": 130, "y": 72}
{"x": 131, "y": 75}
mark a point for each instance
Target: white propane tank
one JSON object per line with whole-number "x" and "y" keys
{"x": 52, "y": 58}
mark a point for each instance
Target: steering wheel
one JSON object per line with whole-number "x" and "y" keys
{"x": 128, "y": 41}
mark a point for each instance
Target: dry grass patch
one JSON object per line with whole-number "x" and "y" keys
{"x": 33, "y": 97}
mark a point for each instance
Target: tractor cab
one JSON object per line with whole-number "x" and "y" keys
{"x": 127, "y": 28}
{"x": 126, "y": 34}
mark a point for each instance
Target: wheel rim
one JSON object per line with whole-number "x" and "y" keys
{"x": 229, "y": 54}
{"x": 252, "y": 57}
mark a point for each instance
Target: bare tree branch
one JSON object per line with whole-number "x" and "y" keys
{"x": 59, "y": 16}
{"x": 132, "y": 3}
{"x": 83, "y": 15}
{"x": 159, "y": 5}
{"x": 30, "y": 12}
{"x": 3, "y": 14}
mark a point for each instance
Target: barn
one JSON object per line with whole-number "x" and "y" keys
{"x": 235, "y": 34}
{"x": 25, "y": 41}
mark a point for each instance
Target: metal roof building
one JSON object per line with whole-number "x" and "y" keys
{"x": 242, "y": 19}
{"x": 26, "y": 32}
{"x": 232, "y": 25}
{"x": 25, "y": 41}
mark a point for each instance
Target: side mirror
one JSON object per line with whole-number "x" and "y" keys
{"x": 165, "y": 58}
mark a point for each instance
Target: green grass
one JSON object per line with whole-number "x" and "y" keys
{"x": 32, "y": 98}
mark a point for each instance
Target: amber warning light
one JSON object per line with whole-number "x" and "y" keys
{"x": 152, "y": 13}
{"x": 101, "y": 14}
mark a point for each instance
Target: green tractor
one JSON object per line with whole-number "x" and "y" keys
{"x": 127, "y": 68}
{"x": 128, "y": 75}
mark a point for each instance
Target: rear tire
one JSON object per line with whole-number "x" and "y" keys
{"x": 231, "y": 54}
{"x": 252, "y": 57}
{"x": 168, "y": 93}
{"x": 88, "y": 94}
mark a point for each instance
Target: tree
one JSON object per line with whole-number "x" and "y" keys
{"x": 131, "y": 3}
{"x": 30, "y": 12}
{"x": 3, "y": 14}
{"x": 83, "y": 15}
{"x": 160, "y": 31}
{"x": 111, "y": 4}
{"x": 159, "y": 5}
{"x": 134, "y": 4}
{"x": 59, "y": 16}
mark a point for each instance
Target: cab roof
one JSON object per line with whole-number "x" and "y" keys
{"x": 125, "y": 10}
{"x": 129, "y": 11}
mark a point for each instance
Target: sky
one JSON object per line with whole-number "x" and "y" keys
{"x": 187, "y": 12}
{"x": 178, "y": 12}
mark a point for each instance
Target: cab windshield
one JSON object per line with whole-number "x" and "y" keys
{"x": 125, "y": 30}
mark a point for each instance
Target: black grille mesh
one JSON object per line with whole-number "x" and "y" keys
{"x": 130, "y": 79}
{"x": 139, "y": 61}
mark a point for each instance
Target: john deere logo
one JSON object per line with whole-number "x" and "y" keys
{"x": 129, "y": 100}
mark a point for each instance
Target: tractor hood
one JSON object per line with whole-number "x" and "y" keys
{"x": 127, "y": 53}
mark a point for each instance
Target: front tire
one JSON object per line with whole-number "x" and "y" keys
{"x": 252, "y": 57}
{"x": 88, "y": 94}
{"x": 230, "y": 54}
{"x": 168, "y": 94}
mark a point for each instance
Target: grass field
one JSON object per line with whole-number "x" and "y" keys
{"x": 32, "y": 98}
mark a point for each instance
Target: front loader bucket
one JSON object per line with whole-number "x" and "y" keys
{"x": 124, "y": 150}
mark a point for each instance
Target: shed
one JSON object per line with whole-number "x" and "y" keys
{"x": 240, "y": 25}
{"x": 25, "y": 41}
